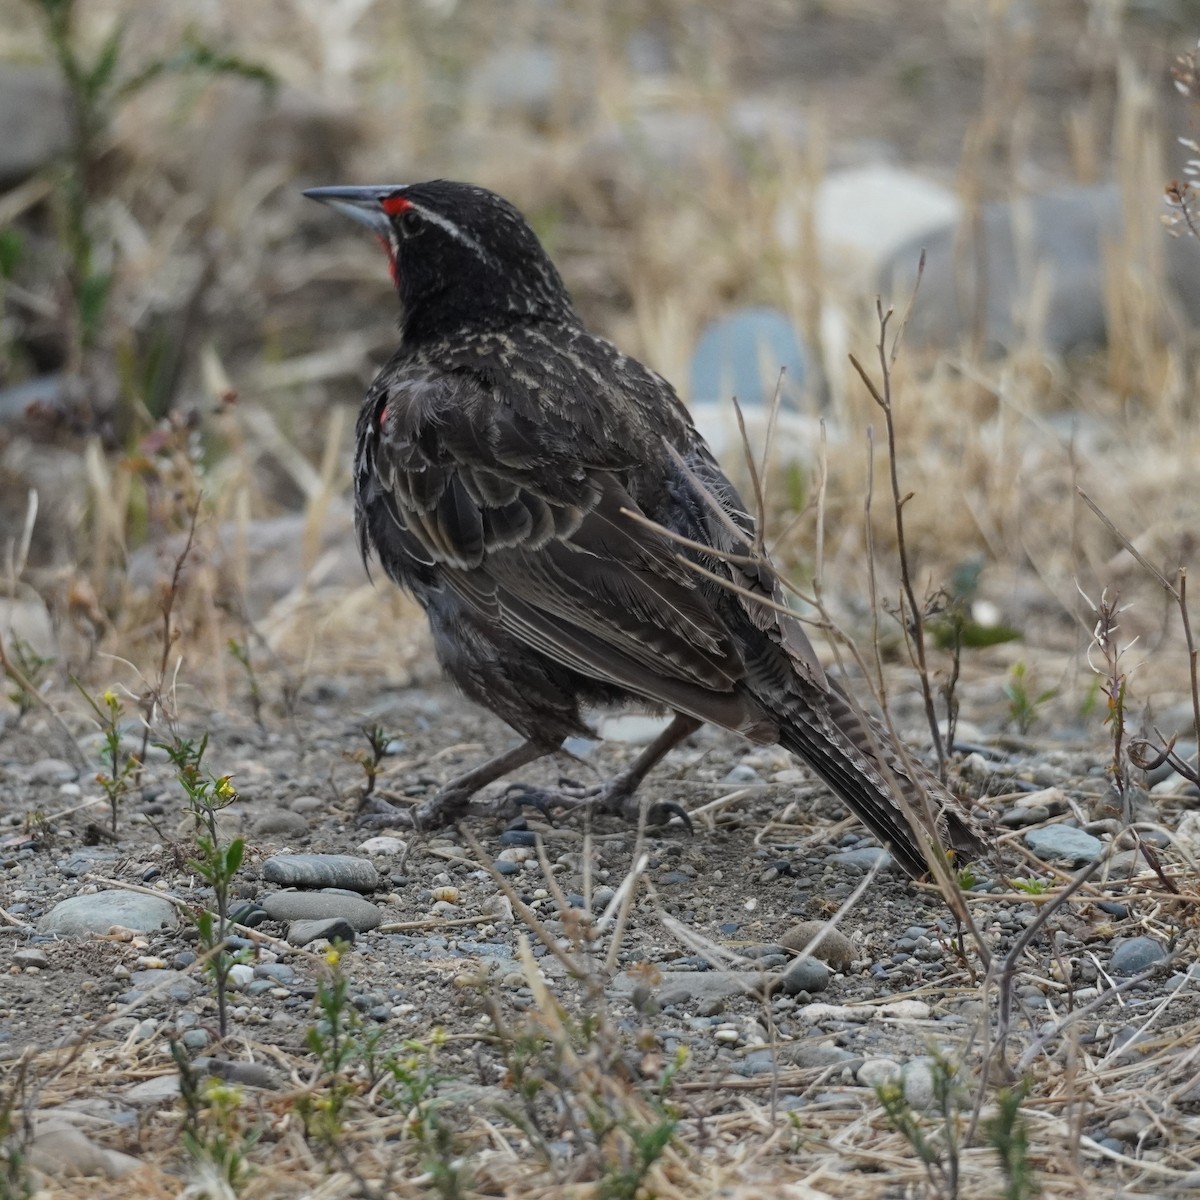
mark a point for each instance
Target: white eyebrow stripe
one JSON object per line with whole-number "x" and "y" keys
{"x": 453, "y": 230}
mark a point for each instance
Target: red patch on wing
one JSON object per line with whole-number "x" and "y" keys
{"x": 395, "y": 205}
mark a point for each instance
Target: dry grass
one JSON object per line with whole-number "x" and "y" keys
{"x": 281, "y": 320}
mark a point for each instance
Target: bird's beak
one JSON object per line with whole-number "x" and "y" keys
{"x": 361, "y": 204}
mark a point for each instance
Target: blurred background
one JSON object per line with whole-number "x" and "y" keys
{"x": 726, "y": 188}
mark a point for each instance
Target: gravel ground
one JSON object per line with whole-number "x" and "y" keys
{"x": 705, "y": 963}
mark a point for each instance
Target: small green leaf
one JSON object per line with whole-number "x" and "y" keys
{"x": 12, "y": 247}
{"x": 233, "y": 856}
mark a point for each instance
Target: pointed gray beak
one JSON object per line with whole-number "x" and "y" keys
{"x": 361, "y": 204}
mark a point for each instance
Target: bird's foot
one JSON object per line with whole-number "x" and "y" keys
{"x": 443, "y": 808}
{"x": 614, "y": 797}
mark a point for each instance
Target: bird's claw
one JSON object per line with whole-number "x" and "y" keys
{"x": 609, "y": 798}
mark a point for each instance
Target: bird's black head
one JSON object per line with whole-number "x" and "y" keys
{"x": 462, "y": 258}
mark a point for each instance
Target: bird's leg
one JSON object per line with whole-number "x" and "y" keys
{"x": 617, "y": 795}
{"x": 451, "y": 799}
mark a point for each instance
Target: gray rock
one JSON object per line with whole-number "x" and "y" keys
{"x": 875, "y": 1072}
{"x": 863, "y": 858}
{"x": 280, "y": 822}
{"x": 81, "y": 915}
{"x": 692, "y": 988}
{"x": 320, "y": 871}
{"x": 835, "y": 947}
{"x": 742, "y": 774}
{"x": 307, "y": 804}
{"x": 811, "y": 1055}
{"x": 35, "y": 126}
{"x": 1134, "y": 955}
{"x": 1056, "y": 241}
{"x": 31, "y": 957}
{"x": 63, "y": 1150}
{"x": 358, "y": 913}
{"x": 162, "y": 1089}
{"x": 24, "y": 618}
{"x": 741, "y": 355}
{"x": 247, "y": 1074}
{"x": 916, "y": 1077}
{"x": 300, "y": 933}
{"x": 1062, "y": 842}
{"x": 805, "y": 975}
{"x": 392, "y": 847}
{"x": 519, "y": 80}
{"x": 51, "y": 770}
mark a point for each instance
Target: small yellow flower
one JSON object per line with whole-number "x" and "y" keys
{"x": 224, "y": 789}
{"x": 333, "y": 956}
{"x": 110, "y": 698}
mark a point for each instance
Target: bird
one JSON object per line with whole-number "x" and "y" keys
{"x": 548, "y": 501}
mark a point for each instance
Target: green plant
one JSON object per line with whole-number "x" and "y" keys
{"x": 954, "y": 628}
{"x": 1008, "y": 1134}
{"x": 16, "y": 1179}
{"x": 99, "y": 82}
{"x": 1024, "y": 702}
{"x": 123, "y": 765}
{"x": 413, "y": 1078}
{"x": 934, "y": 1139}
{"x": 369, "y": 759}
{"x": 241, "y": 655}
{"x": 216, "y": 863}
{"x": 215, "y": 1134}
{"x": 30, "y": 673}
{"x": 334, "y": 1042}
{"x": 1031, "y": 887}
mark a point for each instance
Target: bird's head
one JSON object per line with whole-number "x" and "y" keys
{"x": 461, "y": 257}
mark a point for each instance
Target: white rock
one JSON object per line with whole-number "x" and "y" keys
{"x": 905, "y": 1010}
{"x": 837, "y": 1012}
{"x": 391, "y": 846}
{"x": 877, "y": 1071}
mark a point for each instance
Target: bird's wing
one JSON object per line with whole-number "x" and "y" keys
{"x": 532, "y": 532}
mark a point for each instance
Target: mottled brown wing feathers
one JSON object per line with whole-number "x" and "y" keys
{"x": 547, "y": 552}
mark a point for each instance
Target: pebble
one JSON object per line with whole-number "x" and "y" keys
{"x": 390, "y": 847}
{"x": 917, "y": 1079}
{"x": 337, "y": 929}
{"x": 307, "y": 804}
{"x": 320, "y": 871}
{"x": 358, "y": 913}
{"x": 498, "y": 906}
{"x": 875, "y": 1072}
{"x": 281, "y": 822}
{"x": 863, "y": 858}
{"x": 1053, "y": 842}
{"x": 51, "y": 770}
{"x": 804, "y": 975}
{"x": 98, "y": 913}
{"x": 835, "y": 947}
{"x": 64, "y": 1150}
{"x": 1134, "y": 955}
{"x": 31, "y": 957}
{"x": 694, "y": 987}
{"x": 742, "y": 775}
{"x": 160, "y": 1089}
{"x": 241, "y": 975}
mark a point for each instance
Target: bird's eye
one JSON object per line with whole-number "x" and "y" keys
{"x": 411, "y": 222}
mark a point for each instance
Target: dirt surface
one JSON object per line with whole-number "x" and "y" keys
{"x": 717, "y": 902}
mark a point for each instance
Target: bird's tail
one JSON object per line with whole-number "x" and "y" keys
{"x": 856, "y": 756}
